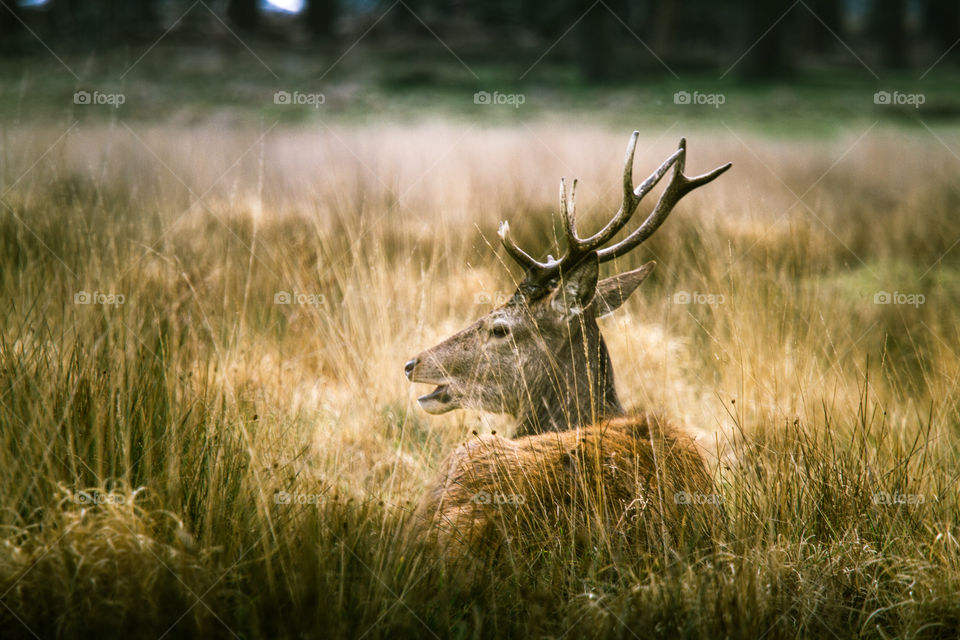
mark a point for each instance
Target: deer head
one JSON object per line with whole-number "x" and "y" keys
{"x": 540, "y": 357}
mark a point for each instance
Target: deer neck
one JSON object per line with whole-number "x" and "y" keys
{"x": 573, "y": 396}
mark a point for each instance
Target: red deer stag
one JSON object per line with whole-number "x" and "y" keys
{"x": 540, "y": 358}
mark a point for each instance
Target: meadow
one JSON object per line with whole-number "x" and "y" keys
{"x": 206, "y": 429}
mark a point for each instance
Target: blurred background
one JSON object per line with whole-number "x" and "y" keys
{"x": 772, "y": 61}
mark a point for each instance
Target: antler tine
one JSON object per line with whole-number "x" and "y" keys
{"x": 568, "y": 211}
{"x": 575, "y": 250}
{"x": 627, "y": 207}
{"x": 522, "y": 257}
{"x": 679, "y": 186}
{"x": 677, "y": 158}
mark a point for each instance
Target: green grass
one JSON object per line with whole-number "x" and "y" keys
{"x": 404, "y": 79}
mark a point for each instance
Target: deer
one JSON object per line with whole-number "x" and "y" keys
{"x": 577, "y": 456}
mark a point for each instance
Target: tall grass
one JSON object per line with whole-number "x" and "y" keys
{"x": 202, "y": 460}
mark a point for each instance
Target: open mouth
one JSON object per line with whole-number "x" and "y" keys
{"x": 440, "y": 394}
{"x": 440, "y": 400}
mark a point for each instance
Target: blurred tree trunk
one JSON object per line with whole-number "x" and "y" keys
{"x": 664, "y": 13}
{"x": 941, "y": 21}
{"x": 244, "y": 14}
{"x": 11, "y": 29}
{"x": 493, "y": 12}
{"x": 830, "y": 14}
{"x": 402, "y": 18}
{"x": 65, "y": 16}
{"x": 594, "y": 35}
{"x": 146, "y": 18}
{"x": 768, "y": 58}
{"x": 321, "y": 16}
{"x": 889, "y": 23}
{"x": 544, "y": 17}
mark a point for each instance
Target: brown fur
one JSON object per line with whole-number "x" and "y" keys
{"x": 631, "y": 467}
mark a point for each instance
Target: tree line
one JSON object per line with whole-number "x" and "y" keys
{"x": 604, "y": 39}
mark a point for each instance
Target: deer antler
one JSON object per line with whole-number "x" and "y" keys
{"x": 578, "y": 248}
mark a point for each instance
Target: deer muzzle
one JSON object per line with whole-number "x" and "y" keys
{"x": 440, "y": 400}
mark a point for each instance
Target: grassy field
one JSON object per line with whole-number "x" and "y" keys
{"x": 184, "y": 454}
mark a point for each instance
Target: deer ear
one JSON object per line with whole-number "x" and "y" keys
{"x": 614, "y": 291}
{"x": 577, "y": 288}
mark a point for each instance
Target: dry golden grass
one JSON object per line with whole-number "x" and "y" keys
{"x": 212, "y": 404}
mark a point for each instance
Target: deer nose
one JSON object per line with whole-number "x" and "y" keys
{"x": 409, "y": 367}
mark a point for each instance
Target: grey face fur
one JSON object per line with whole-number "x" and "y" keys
{"x": 541, "y": 360}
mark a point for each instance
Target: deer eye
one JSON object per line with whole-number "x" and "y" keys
{"x": 500, "y": 331}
